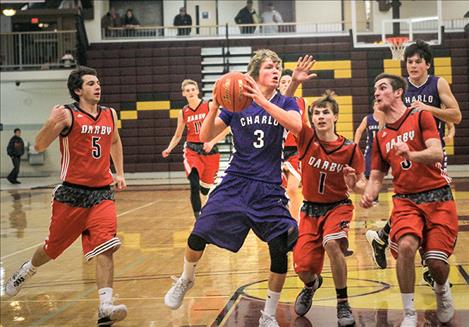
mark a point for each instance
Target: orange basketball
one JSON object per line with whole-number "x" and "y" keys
{"x": 229, "y": 92}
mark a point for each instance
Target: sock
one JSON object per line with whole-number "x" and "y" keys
{"x": 441, "y": 288}
{"x": 408, "y": 301}
{"x": 105, "y": 295}
{"x": 311, "y": 283}
{"x": 271, "y": 303}
{"x": 29, "y": 266}
{"x": 341, "y": 294}
{"x": 384, "y": 232}
{"x": 189, "y": 270}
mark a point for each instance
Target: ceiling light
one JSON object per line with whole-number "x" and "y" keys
{"x": 9, "y": 12}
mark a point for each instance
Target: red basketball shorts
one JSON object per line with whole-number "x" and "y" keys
{"x": 315, "y": 232}
{"x": 434, "y": 223}
{"x": 96, "y": 225}
{"x": 292, "y": 166}
{"x": 207, "y": 166}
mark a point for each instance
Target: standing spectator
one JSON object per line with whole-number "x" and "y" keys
{"x": 130, "y": 22}
{"x": 271, "y": 17}
{"x": 15, "y": 150}
{"x": 247, "y": 15}
{"x": 110, "y": 20}
{"x": 183, "y": 19}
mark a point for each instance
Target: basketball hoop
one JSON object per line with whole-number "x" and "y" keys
{"x": 397, "y": 45}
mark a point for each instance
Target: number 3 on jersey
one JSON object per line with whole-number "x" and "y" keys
{"x": 96, "y": 148}
{"x": 259, "y": 143}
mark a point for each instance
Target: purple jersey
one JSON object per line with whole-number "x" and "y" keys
{"x": 258, "y": 140}
{"x": 372, "y": 127}
{"x": 428, "y": 94}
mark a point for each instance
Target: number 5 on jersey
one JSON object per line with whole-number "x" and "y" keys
{"x": 96, "y": 148}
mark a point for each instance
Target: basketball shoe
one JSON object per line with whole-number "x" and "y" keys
{"x": 267, "y": 321}
{"x": 410, "y": 319}
{"x": 444, "y": 303}
{"x": 344, "y": 314}
{"x": 175, "y": 295}
{"x": 108, "y": 314}
{"x": 378, "y": 246}
{"x": 304, "y": 300}
{"x": 17, "y": 280}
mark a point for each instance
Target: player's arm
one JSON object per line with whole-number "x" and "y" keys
{"x": 372, "y": 188}
{"x": 354, "y": 175}
{"x": 117, "y": 155}
{"x": 301, "y": 74}
{"x": 305, "y": 117}
{"x": 450, "y": 132}
{"x": 450, "y": 112}
{"x": 208, "y": 146}
{"x": 290, "y": 119}
{"x": 212, "y": 125}
{"x": 176, "y": 137}
{"x": 359, "y": 132}
{"x": 429, "y": 156}
{"x": 59, "y": 119}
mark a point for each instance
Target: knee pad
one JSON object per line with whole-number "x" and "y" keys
{"x": 204, "y": 190}
{"x": 196, "y": 242}
{"x": 278, "y": 249}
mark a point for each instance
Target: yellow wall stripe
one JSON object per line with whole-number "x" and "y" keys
{"x": 153, "y": 105}
{"x": 128, "y": 114}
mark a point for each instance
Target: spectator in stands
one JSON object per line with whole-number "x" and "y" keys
{"x": 130, "y": 22}
{"x": 272, "y": 17}
{"x": 110, "y": 20}
{"x": 15, "y": 150}
{"x": 247, "y": 15}
{"x": 183, "y": 19}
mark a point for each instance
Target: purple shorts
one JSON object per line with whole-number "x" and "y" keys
{"x": 239, "y": 204}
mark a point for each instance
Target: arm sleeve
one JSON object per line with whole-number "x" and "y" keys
{"x": 226, "y": 116}
{"x": 377, "y": 161}
{"x": 428, "y": 126}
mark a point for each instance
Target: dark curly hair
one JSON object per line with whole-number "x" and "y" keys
{"x": 75, "y": 80}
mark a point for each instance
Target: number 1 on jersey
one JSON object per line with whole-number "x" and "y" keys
{"x": 322, "y": 182}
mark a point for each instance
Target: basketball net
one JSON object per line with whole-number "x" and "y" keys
{"x": 397, "y": 45}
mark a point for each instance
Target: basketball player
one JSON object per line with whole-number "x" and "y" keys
{"x": 84, "y": 203}
{"x": 424, "y": 212}
{"x": 250, "y": 195}
{"x": 327, "y": 210}
{"x": 201, "y": 160}
{"x": 291, "y": 164}
{"x": 429, "y": 93}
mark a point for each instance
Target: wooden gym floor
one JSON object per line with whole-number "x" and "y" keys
{"x": 154, "y": 223}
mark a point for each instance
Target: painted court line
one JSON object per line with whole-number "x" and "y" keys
{"x": 36, "y": 245}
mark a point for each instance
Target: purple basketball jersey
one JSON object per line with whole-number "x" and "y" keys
{"x": 258, "y": 140}
{"x": 372, "y": 127}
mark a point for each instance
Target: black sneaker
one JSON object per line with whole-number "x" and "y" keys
{"x": 304, "y": 300}
{"x": 378, "y": 246}
{"x": 344, "y": 314}
{"x": 428, "y": 279}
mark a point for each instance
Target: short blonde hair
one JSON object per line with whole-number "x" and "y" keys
{"x": 258, "y": 58}
{"x": 188, "y": 82}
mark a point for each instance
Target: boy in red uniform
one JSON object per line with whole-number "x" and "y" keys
{"x": 424, "y": 212}
{"x": 84, "y": 203}
{"x": 201, "y": 160}
{"x": 327, "y": 211}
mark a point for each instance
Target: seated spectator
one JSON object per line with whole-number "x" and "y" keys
{"x": 183, "y": 19}
{"x": 271, "y": 17}
{"x": 110, "y": 20}
{"x": 247, "y": 15}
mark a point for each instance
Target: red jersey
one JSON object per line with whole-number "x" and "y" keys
{"x": 413, "y": 128}
{"x": 193, "y": 119}
{"x": 322, "y": 165}
{"x": 290, "y": 138}
{"x": 86, "y": 148}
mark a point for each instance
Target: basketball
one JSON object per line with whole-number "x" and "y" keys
{"x": 229, "y": 92}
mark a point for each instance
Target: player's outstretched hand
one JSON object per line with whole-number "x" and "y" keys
{"x": 252, "y": 90}
{"x": 402, "y": 150}
{"x": 165, "y": 153}
{"x": 366, "y": 201}
{"x": 419, "y": 105}
{"x": 301, "y": 72}
{"x": 120, "y": 182}
{"x": 350, "y": 177}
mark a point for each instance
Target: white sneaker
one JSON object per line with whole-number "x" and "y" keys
{"x": 109, "y": 314}
{"x": 17, "y": 280}
{"x": 410, "y": 319}
{"x": 175, "y": 295}
{"x": 267, "y": 321}
{"x": 445, "y": 307}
